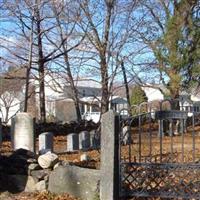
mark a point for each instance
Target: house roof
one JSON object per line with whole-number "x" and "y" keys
{"x": 114, "y": 99}
{"x": 87, "y": 83}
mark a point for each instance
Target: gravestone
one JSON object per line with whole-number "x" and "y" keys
{"x": 84, "y": 140}
{"x": 45, "y": 142}
{"x": 23, "y": 132}
{"x": 72, "y": 142}
{"x": 94, "y": 140}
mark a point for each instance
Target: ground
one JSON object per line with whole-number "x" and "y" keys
{"x": 35, "y": 196}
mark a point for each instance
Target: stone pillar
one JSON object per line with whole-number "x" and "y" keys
{"x": 45, "y": 142}
{"x": 72, "y": 142}
{"x": 109, "y": 183}
{"x": 84, "y": 140}
{"x": 23, "y": 132}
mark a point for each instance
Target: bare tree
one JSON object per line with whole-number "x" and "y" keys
{"x": 108, "y": 31}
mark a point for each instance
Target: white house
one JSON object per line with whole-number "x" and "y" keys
{"x": 153, "y": 93}
{"x": 59, "y": 103}
{"x": 91, "y": 106}
{"x": 187, "y": 101}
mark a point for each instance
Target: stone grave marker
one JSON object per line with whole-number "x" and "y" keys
{"x": 72, "y": 142}
{"x": 23, "y": 132}
{"x": 94, "y": 140}
{"x": 84, "y": 140}
{"x": 45, "y": 142}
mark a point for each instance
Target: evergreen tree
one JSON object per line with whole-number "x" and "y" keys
{"x": 138, "y": 95}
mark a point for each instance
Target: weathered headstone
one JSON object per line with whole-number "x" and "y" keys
{"x": 77, "y": 181}
{"x": 72, "y": 142}
{"x": 23, "y": 132}
{"x": 84, "y": 140}
{"x": 45, "y": 142}
{"x": 94, "y": 140}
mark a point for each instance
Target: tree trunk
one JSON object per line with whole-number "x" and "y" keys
{"x": 126, "y": 83}
{"x": 73, "y": 87}
{"x": 175, "y": 100}
{"x": 6, "y": 115}
{"x": 68, "y": 69}
{"x": 29, "y": 66}
{"x": 40, "y": 66}
{"x": 105, "y": 93}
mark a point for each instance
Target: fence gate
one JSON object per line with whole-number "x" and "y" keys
{"x": 160, "y": 153}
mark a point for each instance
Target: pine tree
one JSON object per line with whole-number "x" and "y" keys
{"x": 138, "y": 95}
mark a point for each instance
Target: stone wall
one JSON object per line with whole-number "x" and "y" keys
{"x": 25, "y": 171}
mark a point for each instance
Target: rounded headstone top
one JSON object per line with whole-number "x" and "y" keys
{"x": 23, "y": 115}
{"x": 82, "y": 132}
{"x": 47, "y": 133}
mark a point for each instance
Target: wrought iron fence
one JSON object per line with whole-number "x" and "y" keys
{"x": 160, "y": 151}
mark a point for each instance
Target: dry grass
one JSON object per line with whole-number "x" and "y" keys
{"x": 176, "y": 148}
